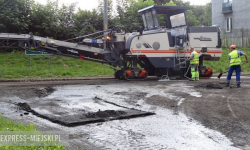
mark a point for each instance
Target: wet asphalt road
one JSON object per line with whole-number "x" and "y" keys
{"x": 189, "y": 115}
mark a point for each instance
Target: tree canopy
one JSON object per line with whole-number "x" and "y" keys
{"x": 64, "y": 22}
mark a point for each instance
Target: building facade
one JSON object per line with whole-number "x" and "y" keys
{"x": 233, "y": 17}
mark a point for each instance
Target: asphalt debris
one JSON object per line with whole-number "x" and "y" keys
{"x": 26, "y": 113}
{"x": 24, "y": 106}
{"x": 105, "y": 114}
{"x": 85, "y": 118}
{"x": 210, "y": 86}
{"x": 43, "y": 92}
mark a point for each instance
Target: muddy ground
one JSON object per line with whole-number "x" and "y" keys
{"x": 187, "y": 115}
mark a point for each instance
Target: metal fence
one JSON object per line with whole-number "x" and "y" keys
{"x": 238, "y": 37}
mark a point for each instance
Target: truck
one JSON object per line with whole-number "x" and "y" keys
{"x": 160, "y": 48}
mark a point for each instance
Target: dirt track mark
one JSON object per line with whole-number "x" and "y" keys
{"x": 231, "y": 110}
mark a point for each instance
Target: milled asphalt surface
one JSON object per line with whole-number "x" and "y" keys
{"x": 188, "y": 115}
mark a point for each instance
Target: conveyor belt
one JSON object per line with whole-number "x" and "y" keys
{"x": 28, "y": 41}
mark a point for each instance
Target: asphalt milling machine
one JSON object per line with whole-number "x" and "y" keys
{"x": 155, "y": 50}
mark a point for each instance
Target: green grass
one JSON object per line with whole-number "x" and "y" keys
{"x": 223, "y": 64}
{"x": 16, "y": 65}
{"x": 7, "y": 125}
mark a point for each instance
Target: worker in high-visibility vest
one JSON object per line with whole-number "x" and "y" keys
{"x": 194, "y": 63}
{"x": 235, "y": 61}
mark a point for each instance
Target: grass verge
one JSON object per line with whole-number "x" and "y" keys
{"x": 7, "y": 125}
{"x": 16, "y": 65}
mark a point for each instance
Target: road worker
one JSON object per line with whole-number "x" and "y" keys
{"x": 194, "y": 63}
{"x": 235, "y": 61}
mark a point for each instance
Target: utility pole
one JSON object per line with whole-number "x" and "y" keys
{"x": 105, "y": 21}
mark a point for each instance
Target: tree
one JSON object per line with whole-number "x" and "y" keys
{"x": 181, "y": 3}
{"x": 122, "y": 11}
{"x": 14, "y": 15}
{"x": 161, "y": 2}
{"x": 191, "y": 19}
{"x": 170, "y": 3}
{"x": 207, "y": 15}
{"x": 44, "y": 19}
{"x": 198, "y": 13}
{"x": 109, "y": 9}
{"x": 50, "y": 20}
{"x": 177, "y": 2}
{"x": 86, "y": 22}
{"x": 133, "y": 19}
{"x": 65, "y": 23}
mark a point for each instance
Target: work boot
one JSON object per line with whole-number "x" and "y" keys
{"x": 227, "y": 83}
{"x": 192, "y": 79}
{"x": 197, "y": 76}
{"x": 238, "y": 83}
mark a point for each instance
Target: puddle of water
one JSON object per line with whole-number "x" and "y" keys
{"x": 180, "y": 101}
{"x": 164, "y": 131}
{"x": 87, "y": 104}
{"x": 86, "y": 96}
{"x": 195, "y": 94}
{"x": 161, "y": 131}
